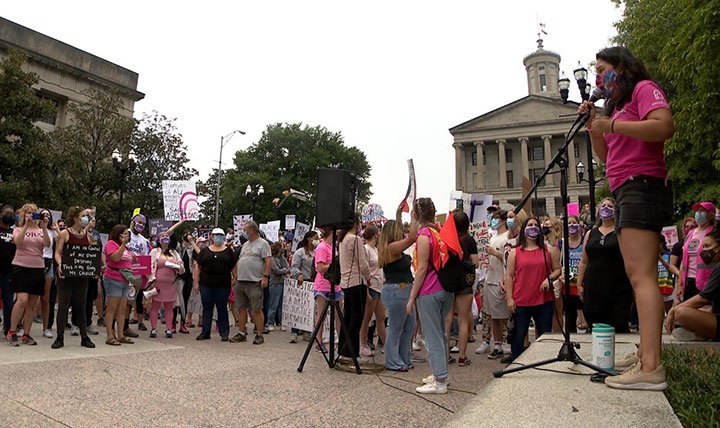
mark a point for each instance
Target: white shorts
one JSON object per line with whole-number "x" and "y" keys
{"x": 494, "y": 302}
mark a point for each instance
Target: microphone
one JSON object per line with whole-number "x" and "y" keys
{"x": 597, "y": 94}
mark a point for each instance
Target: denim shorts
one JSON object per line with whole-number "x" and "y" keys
{"x": 115, "y": 288}
{"x": 374, "y": 294}
{"x": 326, "y": 294}
{"x": 644, "y": 202}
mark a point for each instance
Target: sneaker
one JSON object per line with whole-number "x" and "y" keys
{"x": 452, "y": 360}
{"x": 432, "y": 388}
{"x": 168, "y": 334}
{"x": 294, "y": 338}
{"x": 417, "y": 358}
{"x": 462, "y": 362}
{"x": 685, "y": 335}
{"x": 282, "y": 328}
{"x": 202, "y": 337}
{"x": 189, "y": 324}
{"x": 21, "y": 332}
{"x": 130, "y": 333}
{"x": 13, "y": 339}
{"x": 87, "y": 343}
{"x": 365, "y": 351}
{"x": 224, "y": 339}
{"x": 495, "y": 354}
{"x": 507, "y": 359}
{"x": 635, "y": 378}
{"x": 240, "y": 337}
{"x": 506, "y": 348}
{"x": 142, "y": 327}
{"x": 271, "y": 327}
{"x": 431, "y": 379}
{"x": 37, "y": 319}
{"x": 454, "y": 350}
{"x": 627, "y": 362}
{"x": 266, "y": 330}
{"x": 184, "y": 330}
{"x": 58, "y": 343}
{"x": 75, "y": 331}
{"x": 48, "y": 333}
{"x": 258, "y": 340}
{"x": 484, "y": 348}
{"x": 153, "y": 334}
{"x": 28, "y": 340}
{"x": 91, "y": 330}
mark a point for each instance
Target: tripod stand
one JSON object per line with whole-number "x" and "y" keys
{"x": 567, "y": 351}
{"x": 333, "y": 304}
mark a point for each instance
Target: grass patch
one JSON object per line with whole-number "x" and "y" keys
{"x": 693, "y": 377}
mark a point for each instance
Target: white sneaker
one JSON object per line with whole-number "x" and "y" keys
{"x": 432, "y": 388}
{"x": 454, "y": 350}
{"x": 21, "y": 332}
{"x": 415, "y": 345}
{"x": 75, "y": 331}
{"x": 271, "y": 327}
{"x": 282, "y": 328}
{"x": 431, "y": 379}
{"x": 685, "y": 335}
{"x": 48, "y": 333}
{"x": 507, "y": 350}
{"x": 483, "y": 349}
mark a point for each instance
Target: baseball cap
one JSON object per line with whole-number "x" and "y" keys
{"x": 217, "y": 231}
{"x": 708, "y": 206}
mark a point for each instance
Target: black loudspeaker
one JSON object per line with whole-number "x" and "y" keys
{"x": 336, "y": 192}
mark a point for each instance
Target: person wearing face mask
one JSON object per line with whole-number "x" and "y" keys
{"x": 576, "y": 243}
{"x": 552, "y": 231}
{"x": 532, "y": 268}
{"x": 494, "y": 297}
{"x": 630, "y": 141}
{"x": 301, "y": 267}
{"x": 694, "y": 273}
{"x": 7, "y": 254}
{"x": 49, "y": 275}
{"x": 72, "y": 289}
{"x": 602, "y": 281}
{"x": 140, "y": 246}
{"x": 690, "y": 320}
{"x": 166, "y": 265}
{"x": 676, "y": 254}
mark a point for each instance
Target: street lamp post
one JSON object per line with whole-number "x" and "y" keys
{"x": 123, "y": 166}
{"x": 223, "y": 140}
{"x": 254, "y": 194}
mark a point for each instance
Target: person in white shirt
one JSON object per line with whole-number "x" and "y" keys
{"x": 494, "y": 298}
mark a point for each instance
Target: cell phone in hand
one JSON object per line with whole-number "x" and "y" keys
{"x": 37, "y": 216}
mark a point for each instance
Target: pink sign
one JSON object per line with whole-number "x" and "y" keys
{"x": 573, "y": 209}
{"x": 142, "y": 265}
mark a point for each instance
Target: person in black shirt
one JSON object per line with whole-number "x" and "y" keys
{"x": 689, "y": 320}
{"x": 7, "y": 253}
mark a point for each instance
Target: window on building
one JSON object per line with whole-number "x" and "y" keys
{"x": 510, "y": 181}
{"x": 534, "y": 174}
{"x": 51, "y": 119}
{"x": 543, "y": 83}
{"x": 508, "y": 155}
{"x": 538, "y": 153}
{"x": 474, "y": 158}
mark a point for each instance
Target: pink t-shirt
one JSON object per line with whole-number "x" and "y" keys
{"x": 112, "y": 271}
{"x": 29, "y": 254}
{"x": 323, "y": 253}
{"x": 693, "y": 246}
{"x": 629, "y": 156}
{"x": 431, "y": 284}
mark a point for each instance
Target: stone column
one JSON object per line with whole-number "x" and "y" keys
{"x": 459, "y": 166}
{"x": 479, "y": 146}
{"x": 572, "y": 168}
{"x": 548, "y": 157}
{"x": 551, "y": 208}
{"x": 524, "y": 156}
{"x": 502, "y": 170}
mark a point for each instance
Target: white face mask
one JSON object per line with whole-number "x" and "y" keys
{"x": 315, "y": 243}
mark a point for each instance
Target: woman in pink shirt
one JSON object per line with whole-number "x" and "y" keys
{"x": 694, "y": 274}
{"x": 321, "y": 286}
{"x": 28, "y": 271}
{"x": 116, "y": 281}
{"x": 630, "y": 140}
{"x": 167, "y": 265}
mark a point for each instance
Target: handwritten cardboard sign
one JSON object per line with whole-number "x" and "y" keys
{"x": 180, "y": 200}
{"x": 480, "y": 233}
{"x": 298, "y": 305}
{"x": 300, "y": 230}
{"x": 81, "y": 261}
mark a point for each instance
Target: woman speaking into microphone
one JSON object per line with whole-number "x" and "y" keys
{"x": 630, "y": 140}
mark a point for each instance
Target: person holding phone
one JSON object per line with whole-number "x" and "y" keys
{"x": 28, "y": 271}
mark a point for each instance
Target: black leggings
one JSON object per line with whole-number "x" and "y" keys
{"x": 89, "y": 304}
{"x": 353, "y": 313}
{"x": 75, "y": 290}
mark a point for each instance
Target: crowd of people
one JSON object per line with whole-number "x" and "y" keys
{"x": 388, "y": 276}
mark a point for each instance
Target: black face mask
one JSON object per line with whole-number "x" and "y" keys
{"x": 8, "y": 219}
{"x": 707, "y": 256}
{"x": 545, "y": 230}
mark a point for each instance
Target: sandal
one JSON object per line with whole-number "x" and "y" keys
{"x": 462, "y": 362}
{"x": 112, "y": 342}
{"x": 125, "y": 340}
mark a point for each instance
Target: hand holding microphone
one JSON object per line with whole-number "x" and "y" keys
{"x": 587, "y": 108}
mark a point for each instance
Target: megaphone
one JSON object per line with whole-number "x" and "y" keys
{"x": 150, "y": 293}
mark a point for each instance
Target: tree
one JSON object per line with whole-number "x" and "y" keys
{"x": 288, "y": 156}
{"x": 23, "y": 146}
{"x": 679, "y": 42}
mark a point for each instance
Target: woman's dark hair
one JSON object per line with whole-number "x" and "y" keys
{"x": 462, "y": 222}
{"x": 305, "y": 242}
{"x": 629, "y": 72}
{"x": 276, "y": 248}
{"x": 355, "y": 223}
{"x": 116, "y": 231}
{"x": 425, "y": 210}
{"x": 370, "y": 232}
{"x": 540, "y": 240}
{"x": 171, "y": 245}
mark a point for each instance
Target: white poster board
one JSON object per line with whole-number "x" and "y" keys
{"x": 480, "y": 233}
{"x": 300, "y": 230}
{"x": 298, "y": 310}
{"x": 238, "y": 223}
{"x": 180, "y": 200}
{"x": 290, "y": 222}
{"x": 272, "y": 229}
{"x": 670, "y": 233}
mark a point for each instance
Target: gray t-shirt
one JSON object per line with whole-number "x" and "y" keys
{"x": 251, "y": 264}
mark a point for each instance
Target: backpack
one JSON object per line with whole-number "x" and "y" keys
{"x": 454, "y": 274}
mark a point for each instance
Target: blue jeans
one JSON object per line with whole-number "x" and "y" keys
{"x": 541, "y": 314}
{"x": 433, "y": 309}
{"x": 275, "y": 304}
{"x": 218, "y": 298}
{"x": 401, "y": 326}
{"x": 7, "y": 298}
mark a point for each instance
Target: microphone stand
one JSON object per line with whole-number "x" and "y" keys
{"x": 568, "y": 349}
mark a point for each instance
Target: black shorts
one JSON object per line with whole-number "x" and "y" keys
{"x": 28, "y": 280}
{"x": 644, "y": 202}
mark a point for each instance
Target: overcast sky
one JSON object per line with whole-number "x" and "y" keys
{"x": 391, "y": 76}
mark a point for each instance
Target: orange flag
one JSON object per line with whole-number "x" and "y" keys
{"x": 449, "y": 236}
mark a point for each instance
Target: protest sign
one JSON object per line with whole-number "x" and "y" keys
{"x": 290, "y": 222}
{"x": 573, "y": 209}
{"x": 372, "y": 213}
{"x": 272, "y": 230}
{"x": 480, "y": 233}
{"x": 180, "y": 200}
{"x": 56, "y": 215}
{"x": 238, "y": 223}
{"x": 411, "y": 192}
{"x": 81, "y": 261}
{"x": 298, "y": 305}
{"x": 158, "y": 225}
{"x": 670, "y": 233}
{"x": 104, "y": 237}
{"x": 142, "y": 266}
{"x": 479, "y": 203}
{"x": 300, "y": 230}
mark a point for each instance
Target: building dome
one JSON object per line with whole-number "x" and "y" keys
{"x": 543, "y": 71}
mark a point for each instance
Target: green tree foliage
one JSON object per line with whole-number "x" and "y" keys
{"x": 23, "y": 146}
{"x": 286, "y": 156}
{"x": 679, "y": 42}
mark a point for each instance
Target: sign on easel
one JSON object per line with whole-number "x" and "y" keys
{"x": 298, "y": 308}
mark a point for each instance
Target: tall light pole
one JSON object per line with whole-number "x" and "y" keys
{"x": 223, "y": 140}
{"x": 123, "y": 166}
